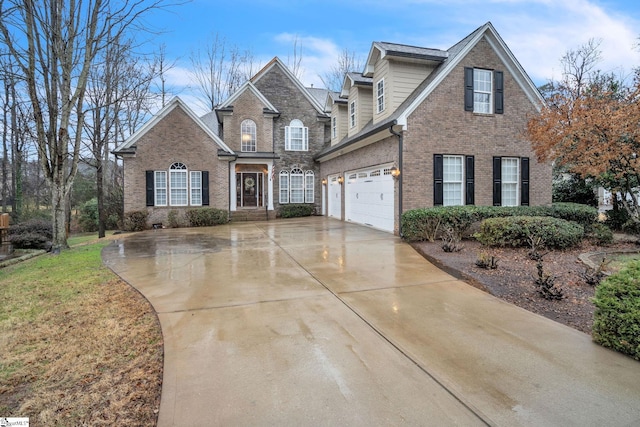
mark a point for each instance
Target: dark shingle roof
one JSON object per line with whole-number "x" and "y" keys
{"x": 406, "y": 51}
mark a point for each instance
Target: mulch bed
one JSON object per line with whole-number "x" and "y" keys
{"x": 513, "y": 280}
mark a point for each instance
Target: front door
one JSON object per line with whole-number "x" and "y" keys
{"x": 249, "y": 187}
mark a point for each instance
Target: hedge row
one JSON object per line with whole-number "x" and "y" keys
{"x": 32, "y": 234}
{"x": 616, "y": 321}
{"x": 534, "y": 231}
{"x": 296, "y": 210}
{"x": 427, "y": 223}
{"x": 206, "y": 217}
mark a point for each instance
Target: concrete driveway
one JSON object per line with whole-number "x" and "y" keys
{"x": 319, "y": 322}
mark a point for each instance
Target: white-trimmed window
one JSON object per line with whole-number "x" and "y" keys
{"x": 297, "y": 186}
{"x": 334, "y": 127}
{"x": 160, "y": 188}
{"x": 510, "y": 174}
{"x": 352, "y": 114}
{"x": 380, "y": 95}
{"x": 284, "y": 186}
{"x": 248, "y": 135}
{"x": 482, "y": 91}
{"x": 308, "y": 186}
{"x": 452, "y": 180}
{"x": 196, "y": 188}
{"x": 178, "y": 185}
{"x": 296, "y": 136}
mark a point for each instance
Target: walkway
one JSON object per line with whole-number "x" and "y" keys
{"x": 320, "y": 322}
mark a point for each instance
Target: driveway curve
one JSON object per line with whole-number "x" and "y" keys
{"x": 320, "y": 322}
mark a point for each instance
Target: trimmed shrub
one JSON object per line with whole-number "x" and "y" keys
{"x": 582, "y": 214}
{"x": 600, "y": 234}
{"x": 135, "y": 220}
{"x": 574, "y": 189}
{"x": 616, "y": 321}
{"x": 206, "y": 217}
{"x": 296, "y": 210}
{"x": 88, "y": 219}
{"x": 32, "y": 234}
{"x": 173, "y": 218}
{"x": 518, "y": 231}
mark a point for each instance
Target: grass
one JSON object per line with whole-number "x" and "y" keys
{"x": 617, "y": 261}
{"x": 78, "y": 346}
{"x": 83, "y": 238}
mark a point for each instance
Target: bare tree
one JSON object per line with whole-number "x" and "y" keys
{"x": 54, "y": 43}
{"x": 294, "y": 59}
{"x": 347, "y": 62}
{"x": 219, "y": 69}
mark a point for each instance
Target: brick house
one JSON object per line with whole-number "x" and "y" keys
{"x": 418, "y": 127}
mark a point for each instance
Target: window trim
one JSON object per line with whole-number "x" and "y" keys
{"x": 288, "y": 136}
{"x": 248, "y": 127}
{"x": 380, "y": 105}
{"x": 192, "y": 188}
{"x": 334, "y": 127}
{"x": 352, "y": 114}
{"x": 461, "y": 182}
{"x": 503, "y": 182}
{"x": 178, "y": 169}
{"x": 156, "y": 188}
{"x": 476, "y": 90}
{"x": 295, "y": 182}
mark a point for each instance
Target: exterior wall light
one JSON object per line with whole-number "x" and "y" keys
{"x": 324, "y": 181}
{"x": 340, "y": 180}
{"x": 395, "y": 172}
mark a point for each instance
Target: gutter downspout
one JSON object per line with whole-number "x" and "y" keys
{"x": 400, "y": 167}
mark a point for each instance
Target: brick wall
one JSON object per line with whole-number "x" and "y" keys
{"x": 175, "y": 138}
{"x": 441, "y": 126}
{"x": 290, "y": 102}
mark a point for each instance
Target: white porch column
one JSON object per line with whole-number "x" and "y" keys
{"x": 270, "y": 179}
{"x": 232, "y": 187}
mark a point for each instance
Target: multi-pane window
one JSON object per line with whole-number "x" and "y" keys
{"x": 334, "y": 127}
{"x": 178, "y": 185}
{"x": 452, "y": 177}
{"x": 248, "y": 135}
{"x": 160, "y": 186}
{"x": 284, "y": 187}
{"x": 352, "y": 114}
{"x": 482, "y": 90}
{"x": 296, "y": 136}
{"x": 510, "y": 174}
{"x": 297, "y": 186}
{"x": 380, "y": 95}
{"x": 196, "y": 188}
{"x": 308, "y": 186}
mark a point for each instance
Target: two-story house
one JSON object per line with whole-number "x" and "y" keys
{"x": 417, "y": 127}
{"x": 428, "y": 127}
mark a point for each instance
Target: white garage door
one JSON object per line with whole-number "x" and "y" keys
{"x": 369, "y": 197}
{"x": 334, "y": 198}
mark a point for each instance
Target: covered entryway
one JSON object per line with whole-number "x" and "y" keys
{"x": 334, "y": 199}
{"x": 369, "y": 197}
{"x": 249, "y": 189}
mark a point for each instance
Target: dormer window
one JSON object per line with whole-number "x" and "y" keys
{"x": 248, "y": 135}
{"x": 296, "y": 136}
{"x": 380, "y": 95}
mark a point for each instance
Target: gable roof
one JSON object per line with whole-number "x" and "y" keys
{"x": 455, "y": 54}
{"x": 129, "y": 145}
{"x": 248, "y": 86}
{"x": 276, "y": 62}
{"x": 354, "y": 79}
{"x": 406, "y": 52}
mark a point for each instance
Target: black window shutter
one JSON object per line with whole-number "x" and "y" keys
{"x": 468, "y": 89}
{"x": 524, "y": 181}
{"x": 205, "y": 188}
{"x": 497, "y": 181}
{"x": 437, "y": 180}
{"x": 150, "y": 188}
{"x": 499, "y": 92}
{"x": 469, "y": 180}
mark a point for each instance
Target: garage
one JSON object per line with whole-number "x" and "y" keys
{"x": 334, "y": 198}
{"x": 369, "y": 197}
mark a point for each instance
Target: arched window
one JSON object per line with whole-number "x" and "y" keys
{"x": 296, "y": 186}
{"x": 178, "y": 185}
{"x": 248, "y": 135}
{"x": 296, "y": 136}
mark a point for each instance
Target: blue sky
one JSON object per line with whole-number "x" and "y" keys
{"x": 538, "y": 32}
